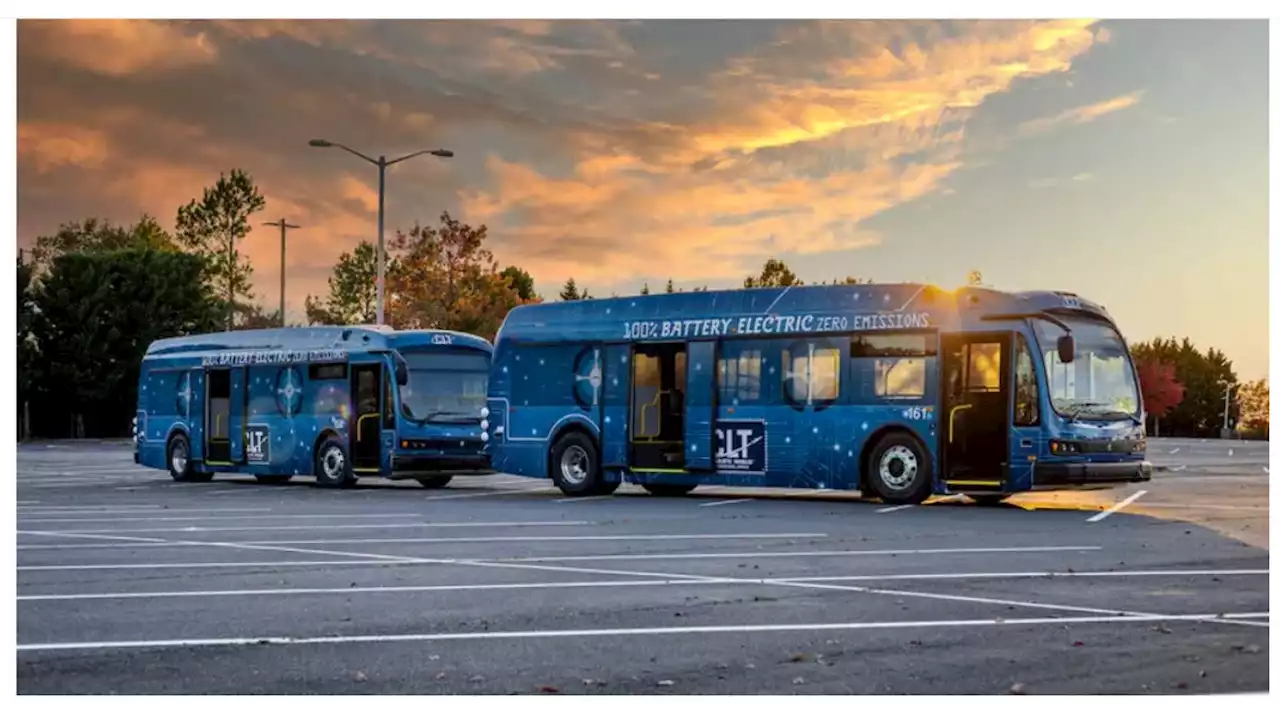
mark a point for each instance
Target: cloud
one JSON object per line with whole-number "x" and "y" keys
{"x": 116, "y": 47}
{"x": 1080, "y": 115}
{"x": 606, "y": 151}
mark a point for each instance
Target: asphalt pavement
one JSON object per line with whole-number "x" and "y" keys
{"x": 130, "y": 583}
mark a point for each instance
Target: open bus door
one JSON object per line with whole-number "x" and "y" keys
{"x": 974, "y": 448}
{"x": 366, "y": 397}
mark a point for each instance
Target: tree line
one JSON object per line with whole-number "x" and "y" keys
{"x": 94, "y": 294}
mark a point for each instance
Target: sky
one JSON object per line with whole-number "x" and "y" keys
{"x": 1125, "y": 161}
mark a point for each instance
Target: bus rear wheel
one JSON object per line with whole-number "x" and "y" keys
{"x": 435, "y": 481}
{"x": 900, "y": 471}
{"x": 575, "y": 466}
{"x": 333, "y": 469}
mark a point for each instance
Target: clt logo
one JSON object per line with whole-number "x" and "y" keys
{"x": 442, "y": 339}
{"x": 728, "y": 449}
{"x": 256, "y": 440}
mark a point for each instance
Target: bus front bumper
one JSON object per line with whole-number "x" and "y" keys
{"x": 411, "y": 467}
{"x": 1072, "y": 474}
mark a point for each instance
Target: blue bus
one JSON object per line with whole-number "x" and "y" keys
{"x": 900, "y": 391}
{"x": 334, "y": 402}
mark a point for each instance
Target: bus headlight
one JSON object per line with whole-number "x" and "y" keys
{"x": 484, "y": 425}
{"x": 484, "y": 412}
{"x": 484, "y": 437}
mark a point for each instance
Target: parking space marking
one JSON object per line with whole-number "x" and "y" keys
{"x": 168, "y": 517}
{"x": 1174, "y": 451}
{"x": 529, "y": 491}
{"x": 898, "y": 508}
{"x": 631, "y": 631}
{"x": 103, "y": 509}
{"x": 1117, "y": 506}
{"x": 459, "y": 539}
{"x": 723, "y": 502}
{"x": 585, "y": 498}
{"x": 794, "y": 554}
{"x": 622, "y": 583}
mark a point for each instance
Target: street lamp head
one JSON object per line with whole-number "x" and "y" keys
{"x": 442, "y": 153}
{"x": 320, "y": 143}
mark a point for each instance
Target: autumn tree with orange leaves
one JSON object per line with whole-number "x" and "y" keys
{"x": 446, "y": 278}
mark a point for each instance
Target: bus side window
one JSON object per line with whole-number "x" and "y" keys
{"x": 1026, "y": 391}
{"x": 810, "y": 373}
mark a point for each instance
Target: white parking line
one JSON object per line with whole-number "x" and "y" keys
{"x": 1117, "y": 506}
{"x": 460, "y": 539}
{"x": 525, "y": 561}
{"x": 223, "y": 517}
{"x": 897, "y": 508}
{"x": 723, "y": 502}
{"x": 86, "y": 509}
{"x": 621, "y": 583}
{"x": 585, "y": 498}
{"x": 634, "y": 631}
{"x": 1264, "y": 469}
{"x": 285, "y": 527}
{"x": 1174, "y": 451}
{"x": 466, "y": 495}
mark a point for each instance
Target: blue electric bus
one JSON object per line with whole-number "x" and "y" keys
{"x": 330, "y": 401}
{"x": 898, "y": 390}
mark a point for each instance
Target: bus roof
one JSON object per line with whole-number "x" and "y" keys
{"x": 349, "y": 338}
{"x": 795, "y": 310}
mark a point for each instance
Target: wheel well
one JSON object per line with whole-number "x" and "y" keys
{"x": 864, "y": 459}
{"x": 571, "y": 427}
{"x": 320, "y": 439}
{"x": 174, "y": 434}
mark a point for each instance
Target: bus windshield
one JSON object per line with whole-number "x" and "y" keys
{"x": 1099, "y": 384}
{"x": 445, "y": 387}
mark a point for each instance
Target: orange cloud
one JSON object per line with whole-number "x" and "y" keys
{"x": 117, "y": 47}
{"x": 1080, "y": 115}
{"x": 50, "y": 146}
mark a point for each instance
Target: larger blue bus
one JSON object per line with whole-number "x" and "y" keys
{"x": 334, "y": 402}
{"x": 901, "y": 391}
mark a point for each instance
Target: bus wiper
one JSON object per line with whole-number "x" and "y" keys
{"x": 452, "y": 416}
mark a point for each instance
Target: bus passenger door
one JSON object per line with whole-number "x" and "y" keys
{"x": 975, "y": 410}
{"x": 699, "y": 406}
{"x": 217, "y": 417}
{"x": 366, "y": 395}
{"x": 616, "y": 378}
{"x": 238, "y": 409}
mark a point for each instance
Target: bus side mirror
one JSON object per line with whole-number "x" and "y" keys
{"x": 1066, "y": 349}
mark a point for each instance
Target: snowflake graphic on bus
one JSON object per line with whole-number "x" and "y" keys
{"x": 587, "y": 378}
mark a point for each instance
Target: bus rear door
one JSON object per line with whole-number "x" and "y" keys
{"x": 366, "y": 395}
{"x": 975, "y": 410}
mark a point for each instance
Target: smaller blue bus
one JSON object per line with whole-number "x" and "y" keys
{"x": 334, "y": 402}
{"x": 900, "y": 391}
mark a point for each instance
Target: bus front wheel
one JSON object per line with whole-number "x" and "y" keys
{"x": 575, "y": 466}
{"x": 332, "y": 467}
{"x": 181, "y": 467}
{"x": 900, "y": 470}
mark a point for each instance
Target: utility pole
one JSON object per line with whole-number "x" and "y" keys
{"x": 284, "y": 226}
{"x": 1226, "y": 406}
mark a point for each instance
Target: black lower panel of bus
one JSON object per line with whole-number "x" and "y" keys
{"x": 657, "y": 454}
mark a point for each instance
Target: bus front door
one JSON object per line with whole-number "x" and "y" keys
{"x": 366, "y": 395}
{"x": 657, "y": 406}
{"x": 975, "y": 415}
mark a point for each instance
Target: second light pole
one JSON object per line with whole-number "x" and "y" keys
{"x": 382, "y": 163}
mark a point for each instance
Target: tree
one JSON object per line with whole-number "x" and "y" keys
{"x": 100, "y": 235}
{"x": 644, "y": 290}
{"x": 521, "y": 282}
{"x": 1161, "y": 390}
{"x": 98, "y": 313}
{"x": 353, "y": 290}
{"x": 26, "y": 343}
{"x": 1199, "y": 413}
{"x": 446, "y": 278}
{"x": 671, "y": 287}
{"x": 775, "y": 273}
{"x": 570, "y": 292}
{"x": 1255, "y": 408}
{"x": 212, "y": 226}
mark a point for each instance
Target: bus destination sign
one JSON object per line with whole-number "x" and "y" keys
{"x": 273, "y": 357}
{"x": 769, "y": 324}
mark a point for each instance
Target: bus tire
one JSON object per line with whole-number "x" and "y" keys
{"x": 435, "y": 482}
{"x": 178, "y": 459}
{"x": 575, "y": 465}
{"x": 333, "y": 468}
{"x": 668, "y": 490}
{"x": 900, "y": 470}
{"x": 274, "y": 479}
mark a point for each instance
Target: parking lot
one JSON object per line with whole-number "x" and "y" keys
{"x": 131, "y": 583}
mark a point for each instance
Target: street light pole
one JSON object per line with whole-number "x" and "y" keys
{"x": 382, "y": 163}
{"x": 1226, "y": 406}
{"x": 284, "y": 225}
